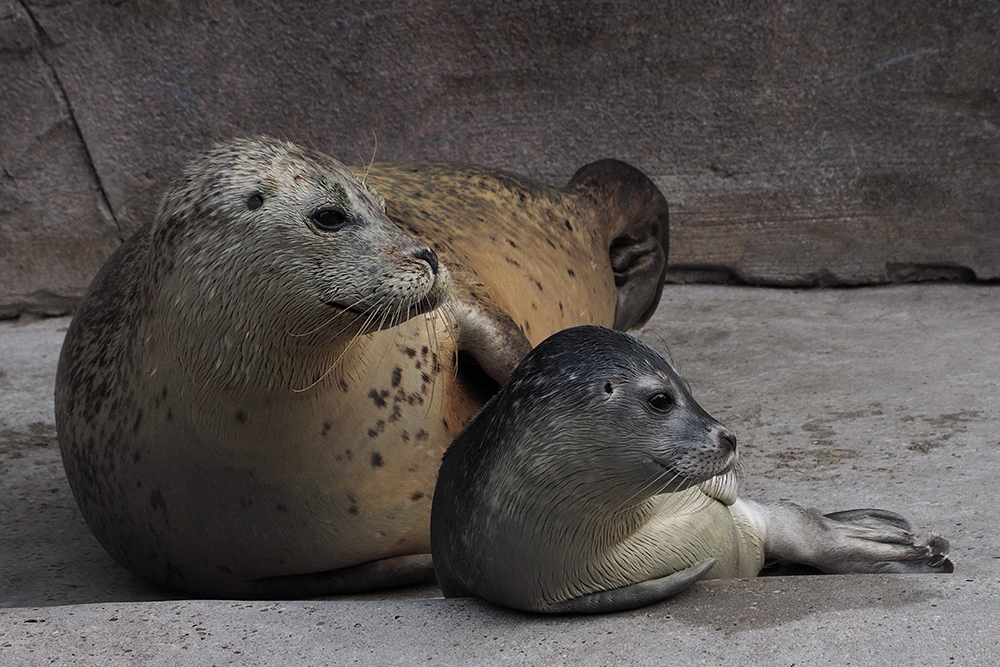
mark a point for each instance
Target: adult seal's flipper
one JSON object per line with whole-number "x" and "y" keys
{"x": 375, "y": 575}
{"x": 637, "y": 235}
{"x": 636, "y": 595}
{"x": 486, "y": 331}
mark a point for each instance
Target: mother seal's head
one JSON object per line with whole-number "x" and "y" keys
{"x": 295, "y": 237}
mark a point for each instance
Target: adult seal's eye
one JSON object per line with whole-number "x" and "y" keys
{"x": 255, "y": 201}
{"x": 661, "y": 402}
{"x": 329, "y": 219}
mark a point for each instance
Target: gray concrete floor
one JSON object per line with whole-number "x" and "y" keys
{"x": 881, "y": 397}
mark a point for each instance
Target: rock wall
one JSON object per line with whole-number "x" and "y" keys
{"x": 799, "y": 143}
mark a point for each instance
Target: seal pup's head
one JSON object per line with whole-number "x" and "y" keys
{"x": 600, "y": 412}
{"x": 559, "y": 464}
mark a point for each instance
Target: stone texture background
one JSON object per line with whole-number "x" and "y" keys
{"x": 799, "y": 143}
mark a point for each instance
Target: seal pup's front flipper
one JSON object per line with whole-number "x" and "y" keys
{"x": 863, "y": 541}
{"x": 637, "y": 595}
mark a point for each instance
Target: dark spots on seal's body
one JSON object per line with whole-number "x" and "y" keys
{"x": 422, "y": 435}
{"x": 241, "y": 417}
{"x": 377, "y": 460}
{"x": 377, "y": 430}
{"x": 397, "y": 377}
{"x": 568, "y": 225}
{"x": 282, "y": 508}
{"x": 137, "y": 422}
{"x": 379, "y": 397}
{"x": 571, "y": 272}
{"x": 410, "y": 352}
{"x": 342, "y": 383}
{"x": 326, "y": 428}
{"x": 417, "y": 495}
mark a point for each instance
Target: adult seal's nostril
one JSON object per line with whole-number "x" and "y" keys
{"x": 430, "y": 257}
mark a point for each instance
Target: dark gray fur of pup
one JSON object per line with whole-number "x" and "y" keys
{"x": 530, "y": 492}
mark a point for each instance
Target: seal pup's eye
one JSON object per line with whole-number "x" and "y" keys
{"x": 255, "y": 201}
{"x": 329, "y": 219}
{"x": 608, "y": 388}
{"x": 661, "y": 402}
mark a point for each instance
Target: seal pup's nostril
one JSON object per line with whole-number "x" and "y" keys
{"x": 727, "y": 440}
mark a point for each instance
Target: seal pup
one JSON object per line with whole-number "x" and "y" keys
{"x": 594, "y": 482}
{"x": 255, "y": 394}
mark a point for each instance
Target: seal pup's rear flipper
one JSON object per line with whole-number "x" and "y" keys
{"x": 637, "y": 595}
{"x": 864, "y": 541}
{"x": 637, "y": 227}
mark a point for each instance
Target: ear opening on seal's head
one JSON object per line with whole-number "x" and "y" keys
{"x": 637, "y": 235}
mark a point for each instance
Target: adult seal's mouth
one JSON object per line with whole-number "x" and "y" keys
{"x": 340, "y": 306}
{"x": 401, "y": 313}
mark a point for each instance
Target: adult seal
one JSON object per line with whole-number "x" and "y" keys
{"x": 594, "y": 482}
{"x": 254, "y": 396}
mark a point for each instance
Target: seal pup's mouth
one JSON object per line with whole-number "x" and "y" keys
{"x": 681, "y": 478}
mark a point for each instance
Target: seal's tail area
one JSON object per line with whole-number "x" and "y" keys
{"x": 637, "y": 228}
